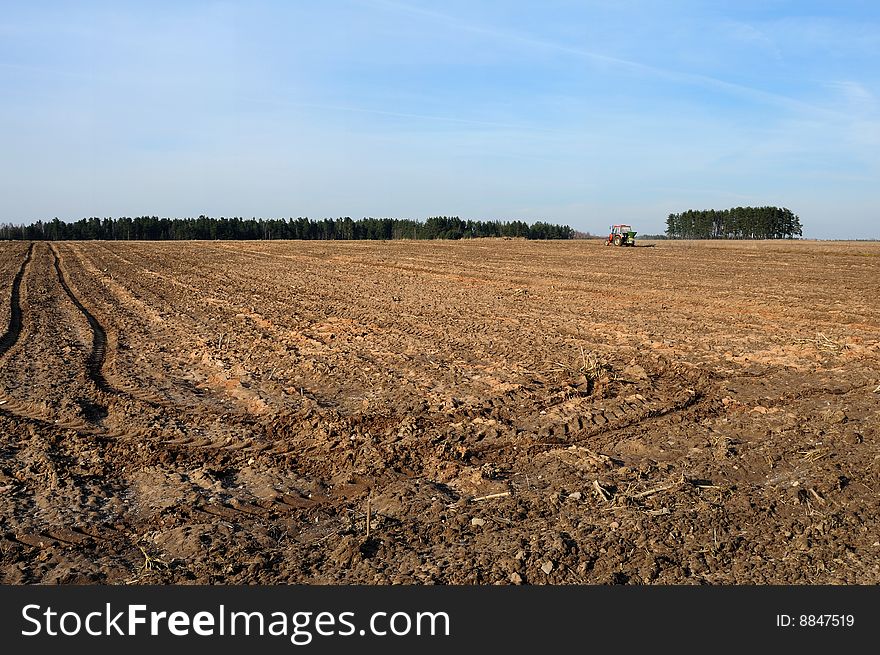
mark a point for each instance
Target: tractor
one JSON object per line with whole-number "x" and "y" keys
{"x": 621, "y": 235}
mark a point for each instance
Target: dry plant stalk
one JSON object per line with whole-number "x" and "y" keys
{"x": 149, "y": 561}
{"x": 369, "y": 513}
{"x": 590, "y": 366}
{"x": 657, "y": 490}
{"x": 603, "y": 493}
{"x": 813, "y": 455}
{"x": 490, "y": 496}
{"x": 824, "y": 343}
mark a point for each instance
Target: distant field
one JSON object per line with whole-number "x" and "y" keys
{"x": 509, "y": 411}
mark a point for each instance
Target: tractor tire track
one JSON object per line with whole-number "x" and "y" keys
{"x": 10, "y": 337}
{"x": 100, "y": 365}
{"x": 174, "y": 421}
{"x": 9, "y": 406}
{"x": 14, "y": 345}
{"x": 116, "y": 381}
{"x": 182, "y": 416}
{"x": 163, "y": 292}
{"x": 95, "y": 361}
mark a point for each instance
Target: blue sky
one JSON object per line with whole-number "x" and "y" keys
{"x": 584, "y": 113}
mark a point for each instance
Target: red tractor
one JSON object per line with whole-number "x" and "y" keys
{"x": 621, "y": 235}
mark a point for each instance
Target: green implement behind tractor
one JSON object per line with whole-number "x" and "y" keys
{"x": 621, "y": 235}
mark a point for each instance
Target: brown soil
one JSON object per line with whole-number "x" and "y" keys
{"x": 506, "y": 411}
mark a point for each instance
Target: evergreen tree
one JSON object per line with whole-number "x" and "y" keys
{"x": 734, "y": 223}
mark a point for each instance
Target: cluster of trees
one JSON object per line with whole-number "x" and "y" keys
{"x": 152, "y": 228}
{"x": 735, "y": 223}
{"x": 452, "y": 227}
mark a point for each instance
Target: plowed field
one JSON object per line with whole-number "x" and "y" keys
{"x": 477, "y": 412}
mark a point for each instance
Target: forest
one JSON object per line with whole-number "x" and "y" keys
{"x": 734, "y": 223}
{"x": 152, "y": 228}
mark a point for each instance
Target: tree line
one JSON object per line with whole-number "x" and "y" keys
{"x": 152, "y": 228}
{"x": 734, "y": 223}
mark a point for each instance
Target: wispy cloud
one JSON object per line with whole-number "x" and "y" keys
{"x": 622, "y": 64}
{"x": 856, "y": 95}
